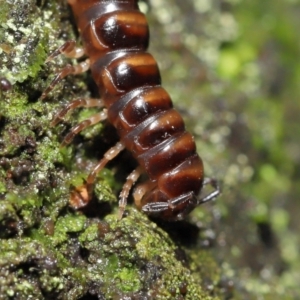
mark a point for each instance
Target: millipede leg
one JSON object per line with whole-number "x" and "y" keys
{"x": 101, "y": 116}
{"x": 109, "y": 155}
{"x": 82, "y": 102}
{"x": 214, "y": 183}
{"x": 130, "y": 181}
{"x": 177, "y": 208}
{"x": 141, "y": 190}
{"x": 67, "y": 70}
{"x": 68, "y": 49}
{"x": 188, "y": 201}
{"x": 81, "y": 195}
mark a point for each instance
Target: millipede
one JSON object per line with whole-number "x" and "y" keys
{"x": 115, "y": 38}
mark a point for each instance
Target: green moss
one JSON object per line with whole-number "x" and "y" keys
{"x": 49, "y": 153}
{"x": 27, "y": 257}
{"x": 128, "y": 280}
{"x": 92, "y": 131}
{"x": 120, "y": 250}
{"x": 65, "y": 225}
{"x": 2, "y": 187}
{"x": 26, "y": 54}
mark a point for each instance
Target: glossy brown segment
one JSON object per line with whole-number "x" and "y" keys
{"x": 111, "y": 32}
{"x": 115, "y": 37}
{"x": 121, "y": 72}
{"x": 190, "y": 175}
{"x": 167, "y": 155}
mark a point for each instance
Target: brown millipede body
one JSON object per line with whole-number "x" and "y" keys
{"x": 115, "y": 37}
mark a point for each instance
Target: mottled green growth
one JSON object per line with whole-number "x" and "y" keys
{"x": 132, "y": 258}
{"x": 23, "y": 38}
{"x": 131, "y": 253}
{"x": 22, "y": 257}
{"x": 65, "y": 225}
{"x": 207, "y": 272}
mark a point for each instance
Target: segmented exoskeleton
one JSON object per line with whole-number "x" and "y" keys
{"x": 115, "y": 38}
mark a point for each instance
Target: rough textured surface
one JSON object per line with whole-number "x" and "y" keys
{"x": 104, "y": 258}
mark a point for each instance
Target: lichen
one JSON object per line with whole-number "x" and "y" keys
{"x": 23, "y": 40}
